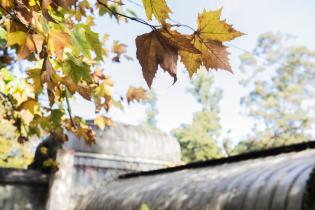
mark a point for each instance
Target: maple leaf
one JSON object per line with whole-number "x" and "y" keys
{"x": 136, "y": 94}
{"x": 38, "y": 41}
{"x": 35, "y": 76}
{"x": 96, "y": 45}
{"x": 80, "y": 43}
{"x": 47, "y": 72}
{"x": 46, "y": 4}
{"x": 98, "y": 75}
{"x": 86, "y": 133}
{"x": 83, "y": 89}
{"x": 76, "y": 69}
{"x": 58, "y": 41}
{"x": 153, "y": 51}
{"x": 7, "y": 4}
{"x": 118, "y": 49}
{"x": 27, "y": 43}
{"x": 102, "y": 121}
{"x": 178, "y": 40}
{"x": 213, "y": 56}
{"x": 158, "y": 8}
{"x": 26, "y": 49}
{"x": 31, "y": 105}
{"x": 103, "y": 91}
{"x": 208, "y": 40}
{"x": 211, "y": 27}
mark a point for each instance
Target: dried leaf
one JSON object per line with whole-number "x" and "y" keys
{"x": 178, "y": 40}
{"x": 136, "y": 94}
{"x": 118, "y": 49}
{"x": 213, "y": 56}
{"x": 153, "y": 51}
{"x": 35, "y": 76}
{"x": 82, "y": 89}
{"x": 48, "y": 72}
{"x": 102, "y": 121}
{"x": 58, "y": 41}
{"x": 86, "y": 133}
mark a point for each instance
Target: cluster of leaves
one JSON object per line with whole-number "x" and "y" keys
{"x": 163, "y": 45}
{"x": 66, "y": 56}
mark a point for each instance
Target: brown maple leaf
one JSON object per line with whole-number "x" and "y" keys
{"x": 136, "y": 94}
{"x": 153, "y": 51}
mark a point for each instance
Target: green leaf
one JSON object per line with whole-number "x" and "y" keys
{"x": 56, "y": 115}
{"x": 6, "y": 75}
{"x": 3, "y": 33}
{"x": 76, "y": 69}
{"x": 80, "y": 41}
{"x": 96, "y": 45}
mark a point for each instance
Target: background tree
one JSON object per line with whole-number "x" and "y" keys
{"x": 280, "y": 81}
{"x": 198, "y": 140}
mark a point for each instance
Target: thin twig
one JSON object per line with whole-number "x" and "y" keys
{"x": 139, "y": 20}
{"x": 135, "y": 3}
{"x": 69, "y": 107}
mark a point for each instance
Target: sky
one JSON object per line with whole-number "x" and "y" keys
{"x": 175, "y": 105}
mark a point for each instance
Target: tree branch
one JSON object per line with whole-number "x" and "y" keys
{"x": 139, "y": 20}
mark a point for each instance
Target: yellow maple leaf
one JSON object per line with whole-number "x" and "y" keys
{"x": 102, "y": 121}
{"x": 136, "y": 94}
{"x": 16, "y": 37}
{"x": 58, "y": 41}
{"x": 31, "y": 105}
{"x": 86, "y": 133}
{"x": 211, "y": 27}
{"x": 191, "y": 61}
{"x": 35, "y": 76}
{"x": 213, "y": 56}
{"x": 158, "y": 8}
{"x": 7, "y": 3}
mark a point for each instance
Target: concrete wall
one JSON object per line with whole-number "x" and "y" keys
{"x": 22, "y": 190}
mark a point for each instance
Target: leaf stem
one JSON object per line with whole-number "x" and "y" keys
{"x": 69, "y": 107}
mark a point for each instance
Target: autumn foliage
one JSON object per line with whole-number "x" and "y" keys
{"x": 67, "y": 57}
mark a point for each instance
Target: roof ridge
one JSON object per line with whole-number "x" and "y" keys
{"x": 237, "y": 158}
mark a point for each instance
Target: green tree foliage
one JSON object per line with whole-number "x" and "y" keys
{"x": 281, "y": 92}
{"x": 198, "y": 140}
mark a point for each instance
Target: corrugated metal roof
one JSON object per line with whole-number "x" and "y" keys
{"x": 278, "y": 179}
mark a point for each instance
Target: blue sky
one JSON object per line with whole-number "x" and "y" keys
{"x": 175, "y": 105}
